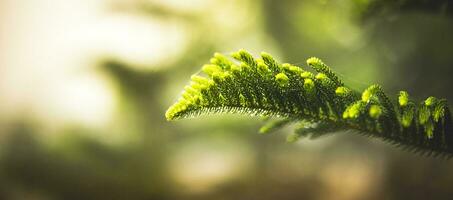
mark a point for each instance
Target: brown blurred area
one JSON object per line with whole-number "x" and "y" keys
{"x": 84, "y": 85}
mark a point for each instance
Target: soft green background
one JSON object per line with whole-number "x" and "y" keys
{"x": 134, "y": 153}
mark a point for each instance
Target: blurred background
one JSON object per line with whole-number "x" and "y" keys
{"x": 84, "y": 85}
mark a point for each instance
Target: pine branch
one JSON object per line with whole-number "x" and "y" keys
{"x": 264, "y": 87}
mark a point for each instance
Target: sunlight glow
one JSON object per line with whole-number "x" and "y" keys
{"x": 49, "y": 55}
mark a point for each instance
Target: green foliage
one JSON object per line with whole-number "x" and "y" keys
{"x": 321, "y": 103}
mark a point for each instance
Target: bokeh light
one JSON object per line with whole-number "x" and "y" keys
{"x": 84, "y": 85}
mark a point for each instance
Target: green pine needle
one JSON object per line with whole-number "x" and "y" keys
{"x": 264, "y": 87}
